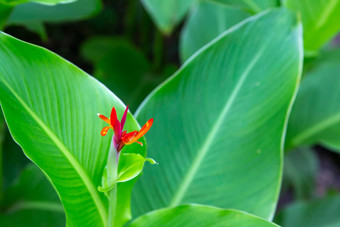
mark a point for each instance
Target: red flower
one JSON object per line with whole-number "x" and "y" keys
{"x": 120, "y": 137}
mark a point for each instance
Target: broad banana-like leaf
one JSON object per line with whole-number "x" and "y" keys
{"x": 320, "y": 20}
{"x": 315, "y": 115}
{"x": 206, "y": 22}
{"x": 220, "y": 120}
{"x": 51, "y": 109}
{"x": 198, "y": 215}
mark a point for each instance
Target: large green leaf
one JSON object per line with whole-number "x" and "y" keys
{"x": 254, "y": 6}
{"x": 220, "y": 120}
{"x": 320, "y": 20}
{"x": 33, "y": 12}
{"x": 31, "y": 201}
{"x": 207, "y": 21}
{"x": 321, "y": 212}
{"x": 315, "y": 115}
{"x": 198, "y": 215}
{"x": 167, "y": 13}
{"x": 50, "y": 107}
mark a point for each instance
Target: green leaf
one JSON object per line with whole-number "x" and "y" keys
{"x": 198, "y": 215}
{"x": 320, "y": 21}
{"x": 44, "y": 2}
{"x": 219, "y": 121}
{"x": 52, "y": 2}
{"x": 206, "y": 22}
{"x": 130, "y": 166}
{"x": 167, "y": 13}
{"x": 254, "y": 6}
{"x": 316, "y": 213}
{"x": 301, "y": 177}
{"x": 32, "y": 201}
{"x": 7, "y": 6}
{"x": 51, "y": 109}
{"x": 315, "y": 115}
{"x": 33, "y": 12}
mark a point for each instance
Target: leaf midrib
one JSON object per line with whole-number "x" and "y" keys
{"x": 315, "y": 129}
{"x": 36, "y": 205}
{"x": 252, "y": 5}
{"x": 326, "y": 13}
{"x": 64, "y": 150}
{"x": 188, "y": 178}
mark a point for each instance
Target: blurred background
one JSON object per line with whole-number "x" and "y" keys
{"x": 118, "y": 43}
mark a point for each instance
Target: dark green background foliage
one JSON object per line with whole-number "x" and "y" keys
{"x": 245, "y": 96}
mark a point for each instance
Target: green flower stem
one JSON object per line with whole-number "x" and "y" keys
{"x": 112, "y": 171}
{"x": 112, "y": 206}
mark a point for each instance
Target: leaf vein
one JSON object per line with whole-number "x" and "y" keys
{"x": 64, "y": 150}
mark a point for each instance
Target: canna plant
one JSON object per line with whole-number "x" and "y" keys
{"x": 220, "y": 120}
{"x": 222, "y": 114}
{"x": 120, "y": 169}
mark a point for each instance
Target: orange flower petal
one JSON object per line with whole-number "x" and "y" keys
{"x": 132, "y": 137}
{"x": 140, "y": 143}
{"x": 144, "y": 129}
{"x": 104, "y": 118}
{"x": 104, "y": 130}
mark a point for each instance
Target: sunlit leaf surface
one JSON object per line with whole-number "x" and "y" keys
{"x": 60, "y": 130}
{"x": 219, "y": 121}
{"x": 320, "y": 20}
{"x": 198, "y": 215}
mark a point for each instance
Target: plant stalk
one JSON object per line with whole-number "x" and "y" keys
{"x": 112, "y": 206}
{"x": 112, "y": 172}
